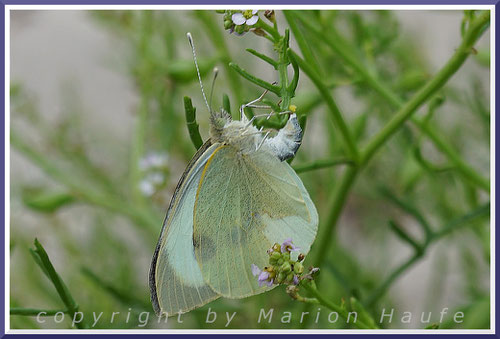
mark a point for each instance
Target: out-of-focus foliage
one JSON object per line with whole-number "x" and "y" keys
{"x": 425, "y": 191}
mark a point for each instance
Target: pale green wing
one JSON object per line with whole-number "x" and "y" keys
{"x": 245, "y": 204}
{"x": 175, "y": 279}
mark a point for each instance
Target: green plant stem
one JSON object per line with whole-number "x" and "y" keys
{"x": 311, "y": 288}
{"x": 341, "y": 191}
{"x": 61, "y": 288}
{"x": 321, "y": 164}
{"x": 338, "y": 120}
{"x": 403, "y": 235}
{"x": 336, "y": 204}
{"x": 430, "y": 88}
{"x": 458, "y": 163}
{"x": 431, "y": 238}
{"x": 285, "y": 95}
{"x": 290, "y": 17}
{"x": 339, "y": 46}
{"x": 259, "y": 82}
{"x": 396, "y": 122}
{"x": 263, "y": 57}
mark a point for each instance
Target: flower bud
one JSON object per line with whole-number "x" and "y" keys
{"x": 276, "y": 247}
{"x": 228, "y": 24}
{"x": 240, "y": 29}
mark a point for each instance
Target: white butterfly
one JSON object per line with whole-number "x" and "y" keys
{"x": 236, "y": 198}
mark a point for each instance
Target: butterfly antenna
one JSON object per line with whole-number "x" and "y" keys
{"x": 191, "y": 42}
{"x": 216, "y": 72}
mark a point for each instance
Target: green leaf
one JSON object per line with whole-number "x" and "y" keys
{"x": 42, "y": 201}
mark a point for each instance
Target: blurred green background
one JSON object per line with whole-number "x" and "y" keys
{"x": 99, "y": 141}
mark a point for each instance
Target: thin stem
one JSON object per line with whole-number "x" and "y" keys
{"x": 403, "y": 235}
{"x": 449, "y": 228}
{"x": 338, "y": 45}
{"x": 336, "y": 204}
{"x": 60, "y": 286}
{"x": 291, "y": 18}
{"x": 311, "y": 288}
{"x": 259, "y": 82}
{"x": 332, "y": 106}
{"x": 324, "y": 163}
{"x": 263, "y": 57}
{"x": 463, "y": 168}
{"x": 431, "y": 87}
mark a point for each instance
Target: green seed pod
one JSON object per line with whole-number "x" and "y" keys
{"x": 286, "y": 267}
{"x": 298, "y": 268}
{"x": 286, "y": 256}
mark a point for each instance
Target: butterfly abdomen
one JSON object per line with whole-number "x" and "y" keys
{"x": 288, "y": 140}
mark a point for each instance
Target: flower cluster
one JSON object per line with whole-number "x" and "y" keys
{"x": 240, "y": 22}
{"x": 153, "y": 166}
{"x": 282, "y": 268}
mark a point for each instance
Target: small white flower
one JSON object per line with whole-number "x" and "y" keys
{"x": 247, "y": 17}
{"x": 147, "y": 188}
{"x": 155, "y": 178}
{"x": 153, "y": 160}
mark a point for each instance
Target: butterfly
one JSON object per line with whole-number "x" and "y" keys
{"x": 237, "y": 197}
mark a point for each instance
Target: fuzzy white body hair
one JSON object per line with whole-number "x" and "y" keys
{"x": 246, "y": 138}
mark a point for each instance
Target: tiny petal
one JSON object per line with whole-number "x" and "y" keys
{"x": 295, "y": 280}
{"x": 269, "y": 283}
{"x": 263, "y": 276}
{"x": 255, "y": 270}
{"x": 238, "y": 19}
{"x": 255, "y": 11}
{"x": 253, "y": 20}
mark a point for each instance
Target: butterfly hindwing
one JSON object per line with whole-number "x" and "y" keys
{"x": 176, "y": 282}
{"x": 244, "y": 204}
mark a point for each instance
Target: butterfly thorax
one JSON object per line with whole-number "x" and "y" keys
{"x": 241, "y": 135}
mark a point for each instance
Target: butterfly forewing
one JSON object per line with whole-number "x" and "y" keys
{"x": 244, "y": 204}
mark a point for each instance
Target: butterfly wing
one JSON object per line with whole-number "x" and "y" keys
{"x": 175, "y": 279}
{"x": 245, "y": 204}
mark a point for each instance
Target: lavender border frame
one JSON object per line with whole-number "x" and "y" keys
{"x": 3, "y": 3}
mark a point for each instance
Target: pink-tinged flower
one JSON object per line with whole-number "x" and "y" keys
{"x": 288, "y": 246}
{"x": 247, "y": 17}
{"x": 255, "y": 270}
{"x": 263, "y": 276}
{"x": 295, "y": 280}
